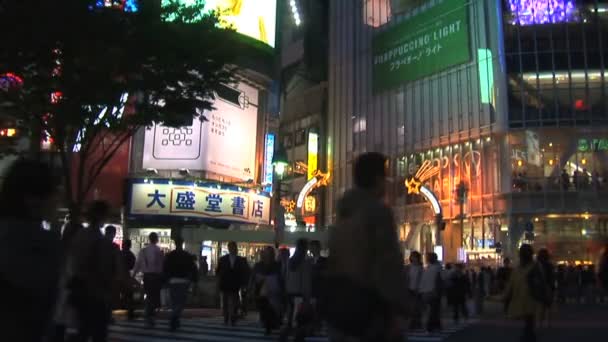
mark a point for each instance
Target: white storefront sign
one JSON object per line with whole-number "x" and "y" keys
{"x": 224, "y": 144}
{"x": 199, "y": 202}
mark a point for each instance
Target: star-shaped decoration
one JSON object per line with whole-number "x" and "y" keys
{"x": 413, "y": 185}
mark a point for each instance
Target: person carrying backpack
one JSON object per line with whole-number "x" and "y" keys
{"x": 364, "y": 296}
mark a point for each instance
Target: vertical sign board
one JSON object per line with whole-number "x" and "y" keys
{"x": 313, "y": 153}
{"x": 268, "y": 155}
{"x": 421, "y": 45}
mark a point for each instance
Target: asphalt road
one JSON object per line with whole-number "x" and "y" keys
{"x": 570, "y": 323}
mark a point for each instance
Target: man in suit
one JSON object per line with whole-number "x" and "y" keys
{"x": 232, "y": 272}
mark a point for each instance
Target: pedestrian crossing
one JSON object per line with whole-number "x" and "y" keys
{"x": 213, "y": 330}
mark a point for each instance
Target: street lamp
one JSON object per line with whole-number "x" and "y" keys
{"x": 279, "y": 164}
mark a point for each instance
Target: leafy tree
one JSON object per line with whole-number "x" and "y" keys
{"x": 83, "y": 63}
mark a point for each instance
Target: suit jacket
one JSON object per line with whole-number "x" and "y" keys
{"x": 232, "y": 277}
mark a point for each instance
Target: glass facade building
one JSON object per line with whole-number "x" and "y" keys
{"x": 513, "y": 122}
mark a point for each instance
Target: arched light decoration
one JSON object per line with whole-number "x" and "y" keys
{"x": 295, "y": 12}
{"x": 319, "y": 179}
{"x": 430, "y": 196}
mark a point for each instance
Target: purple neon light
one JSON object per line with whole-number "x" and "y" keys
{"x": 534, "y": 12}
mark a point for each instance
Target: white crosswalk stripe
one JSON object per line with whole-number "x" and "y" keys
{"x": 213, "y": 330}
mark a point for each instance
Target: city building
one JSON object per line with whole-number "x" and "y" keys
{"x": 304, "y": 43}
{"x": 210, "y": 181}
{"x": 493, "y": 112}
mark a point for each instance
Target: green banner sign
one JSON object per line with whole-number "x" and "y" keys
{"x": 422, "y": 45}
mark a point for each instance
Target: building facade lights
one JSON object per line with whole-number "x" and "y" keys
{"x": 537, "y": 12}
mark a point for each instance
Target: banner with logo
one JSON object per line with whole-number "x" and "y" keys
{"x": 198, "y": 201}
{"x": 224, "y": 144}
{"x": 422, "y": 45}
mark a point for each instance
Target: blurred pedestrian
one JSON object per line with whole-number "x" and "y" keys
{"x": 458, "y": 292}
{"x": 180, "y": 273}
{"x": 365, "y": 286}
{"x": 267, "y": 287}
{"x": 29, "y": 256}
{"x": 431, "y": 287}
{"x": 150, "y": 263}
{"x": 520, "y": 294}
{"x": 129, "y": 285}
{"x": 413, "y": 276}
{"x": 232, "y": 272}
{"x": 203, "y": 266}
{"x": 547, "y": 270}
{"x": 298, "y": 286}
{"x": 319, "y": 268}
{"x": 95, "y": 270}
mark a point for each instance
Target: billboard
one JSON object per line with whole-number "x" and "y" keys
{"x": 252, "y": 18}
{"x": 203, "y": 201}
{"x": 224, "y": 144}
{"x": 421, "y": 45}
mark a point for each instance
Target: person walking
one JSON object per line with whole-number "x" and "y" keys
{"x": 203, "y": 267}
{"x": 95, "y": 270}
{"x": 180, "y": 273}
{"x": 319, "y": 267}
{"x": 232, "y": 272}
{"x": 431, "y": 287}
{"x": 458, "y": 292}
{"x": 267, "y": 287}
{"x": 30, "y": 257}
{"x": 150, "y": 263}
{"x": 547, "y": 269}
{"x": 127, "y": 290}
{"x": 522, "y": 293}
{"x": 413, "y": 274}
{"x": 365, "y": 297}
{"x": 298, "y": 286}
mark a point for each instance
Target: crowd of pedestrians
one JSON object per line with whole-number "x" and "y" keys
{"x": 63, "y": 287}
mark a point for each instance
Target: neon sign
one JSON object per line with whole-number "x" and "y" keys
{"x": 313, "y": 154}
{"x": 268, "y": 155}
{"x": 587, "y": 145}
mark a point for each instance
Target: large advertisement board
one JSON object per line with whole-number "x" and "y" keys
{"x": 224, "y": 144}
{"x": 422, "y": 45}
{"x": 198, "y": 201}
{"x": 253, "y": 18}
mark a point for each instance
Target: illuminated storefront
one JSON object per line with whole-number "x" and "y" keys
{"x": 512, "y": 121}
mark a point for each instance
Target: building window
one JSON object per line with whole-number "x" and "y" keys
{"x": 300, "y": 137}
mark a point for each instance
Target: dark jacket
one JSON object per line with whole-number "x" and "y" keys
{"x": 96, "y": 266}
{"x": 29, "y": 272}
{"x": 129, "y": 260}
{"x": 232, "y": 277}
{"x": 318, "y": 270}
{"x": 180, "y": 264}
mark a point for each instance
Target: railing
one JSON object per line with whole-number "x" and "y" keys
{"x": 560, "y": 184}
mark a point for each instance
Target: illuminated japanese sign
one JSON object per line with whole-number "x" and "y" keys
{"x": 313, "y": 153}
{"x": 532, "y": 12}
{"x": 318, "y": 179}
{"x": 268, "y": 154}
{"x": 199, "y": 201}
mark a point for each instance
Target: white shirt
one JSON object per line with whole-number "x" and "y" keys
{"x": 149, "y": 260}
{"x": 429, "y": 278}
